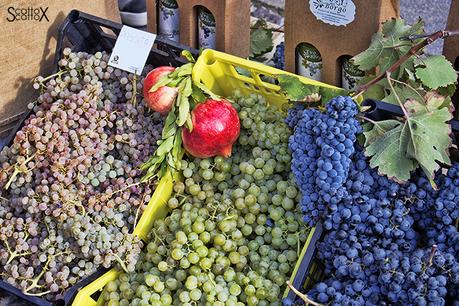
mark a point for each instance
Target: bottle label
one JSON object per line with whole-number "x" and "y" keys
{"x": 172, "y": 4}
{"x": 206, "y": 30}
{"x": 350, "y": 75}
{"x": 333, "y": 12}
{"x": 309, "y": 52}
{"x": 309, "y": 62}
{"x": 169, "y": 20}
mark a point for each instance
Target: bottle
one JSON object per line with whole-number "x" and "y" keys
{"x": 308, "y": 61}
{"x": 350, "y": 74}
{"x": 206, "y": 29}
{"x": 169, "y": 20}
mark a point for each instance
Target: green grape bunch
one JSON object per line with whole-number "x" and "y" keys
{"x": 233, "y": 234}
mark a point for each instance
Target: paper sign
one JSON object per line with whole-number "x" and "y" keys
{"x": 131, "y": 49}
{"x": 334, "y": 12}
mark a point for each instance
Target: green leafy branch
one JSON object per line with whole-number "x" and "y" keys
{"x": 421, "y": 86}
{"x": 168, "y": 155}
{"x": 397, "y": 49}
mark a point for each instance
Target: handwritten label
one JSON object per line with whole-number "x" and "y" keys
{"x": 131, "y": 49}
{"x": 333, "y": 12}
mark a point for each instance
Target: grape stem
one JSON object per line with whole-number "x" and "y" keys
{"x": 14, "y": 254}
{"x": 17, "y": 171}
{"x": 389, "y": 80}
{"x": 134, "y": 89}
{"x": 57, "y": 74}
{"x": 302, "y": 296}
{"x": 413, "y": 51}
{"x": 431, "y": 256}
{"x": 367, "y": 119}
{"x": 124, "y": 188}
{"x": 34, "y": 282}
{"x": 211, "y": 279}
{"x": 121, "y": 262}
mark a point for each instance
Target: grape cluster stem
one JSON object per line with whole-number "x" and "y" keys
{"x": 302, "y": 296}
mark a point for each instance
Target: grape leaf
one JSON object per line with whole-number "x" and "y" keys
{"x": 404, "y": 93}
{"x": 329, "y": 93}
{"x": 386, "y": 145}
{"x": 261, "y": 39}
{"x": 436, "y": 71}
{"x": 430, "y": 139}
{"x": 447, "y": 90}
{"x": 374, "y": 92}
{"x": 369, "y": 58}
{"x": 294, "y": 89}
{"x": 386, "y": 47}
{"x": 422, "y": 139}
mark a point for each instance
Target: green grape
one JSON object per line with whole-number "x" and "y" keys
{"x": 232, "y": 234}
{"x": 194, "y": 189}
{"x": 222, "y": 296}
{"x": 292, "y": 239}
{"x": 187, "y": 172}
{"x": 195, "y": 294}
{"x": 229, "y": 275}
{"x": 150, "y": 279}
{"x": 205, "y": 263}
{"x": 184, "y": 296}
{"x": 196, "y": 244}
{"x": 177, "y": 254}
{"x": 162, "y": 266}
{"x": 208, "y": 287}
{"x": 204, "y": 164}
{"x": 184, "y": 263}
{"x": 191, "y": 282}
{"x": 171, "y": 284}
{"x": 181, "y": 237}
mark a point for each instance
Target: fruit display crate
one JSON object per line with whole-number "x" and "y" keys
{"x": 84, "y": 32}
{"x": 219, "y": 72}
{"x": 310, "y": 270}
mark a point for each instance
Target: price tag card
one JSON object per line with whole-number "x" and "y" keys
{"x": 131, "y": 49}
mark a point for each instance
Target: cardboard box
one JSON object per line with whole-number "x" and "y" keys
{"x": 333, "y": 41}
{"x": 451, "y": 46}
{"x": 232, "y": 23}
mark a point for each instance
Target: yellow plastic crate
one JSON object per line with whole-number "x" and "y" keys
{"x": 155, "y": 209}
{"x": 216, "y": 70}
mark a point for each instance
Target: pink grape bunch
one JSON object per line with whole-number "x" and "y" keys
{"x": 71, "y": 190}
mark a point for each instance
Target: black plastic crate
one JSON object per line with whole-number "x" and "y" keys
{"x": 84, "y": 32}
{"x": 310, "y": 271}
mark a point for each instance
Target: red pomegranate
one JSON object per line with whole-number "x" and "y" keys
{"x": 162, "y": 99}
{"x": 216, "y": 128}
